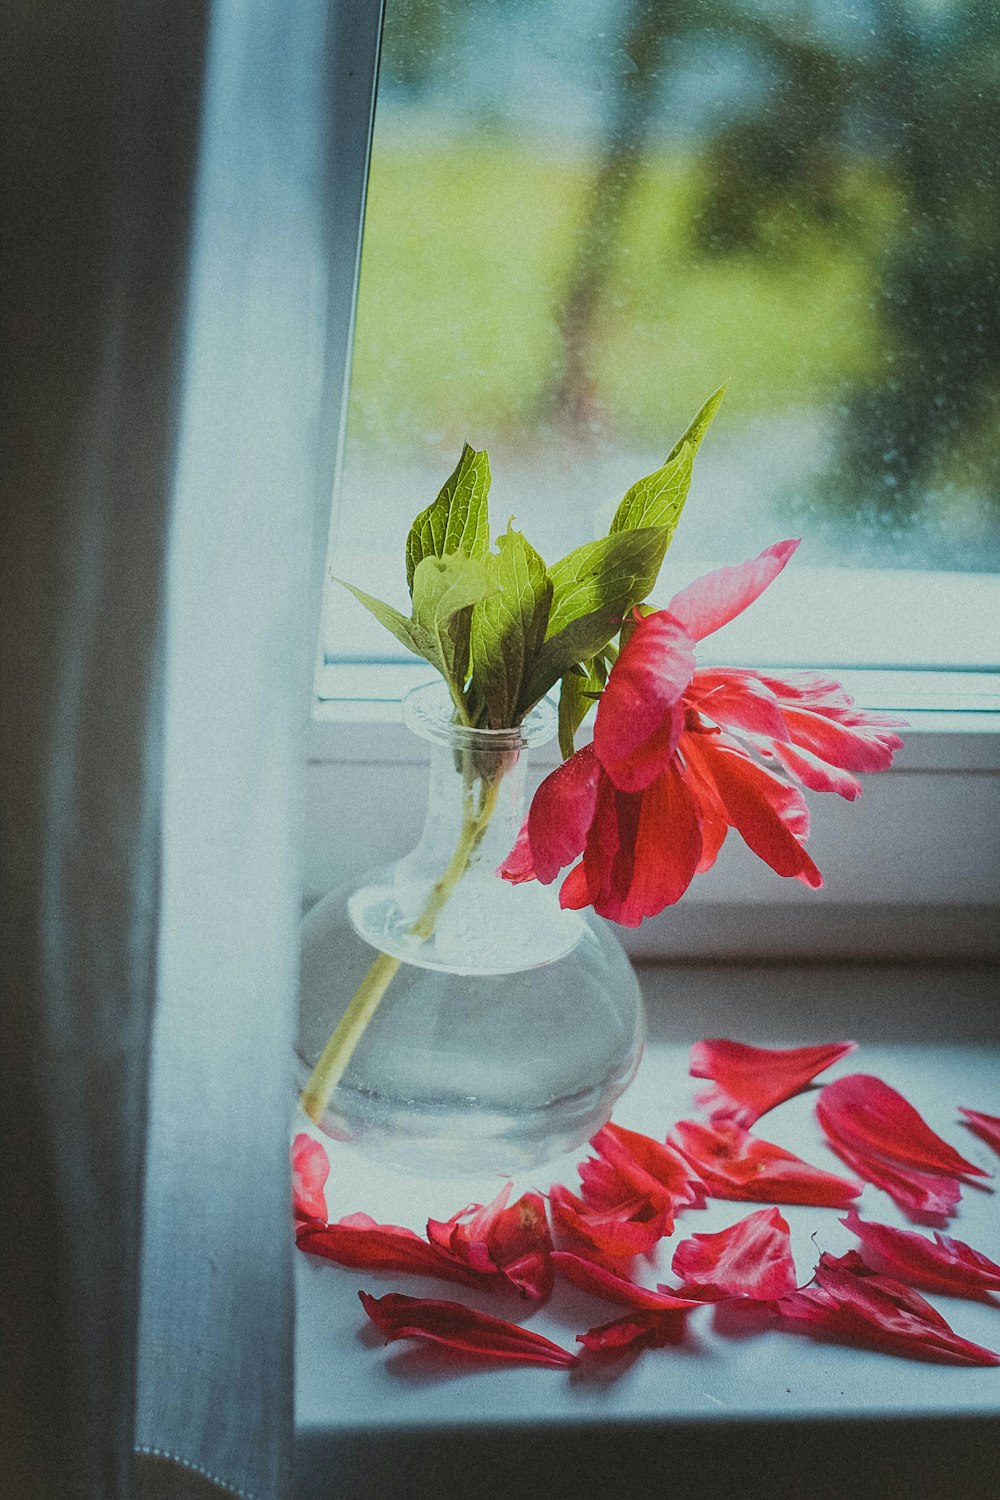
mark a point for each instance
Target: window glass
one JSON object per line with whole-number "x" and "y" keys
{"x": 584, "y": 215}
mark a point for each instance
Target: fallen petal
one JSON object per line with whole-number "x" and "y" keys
{"x": 614, "y": 1234}
{"x": 752, "y": 1080}
{"x": 603, "y": 1283}
{"x": 922, "y": 1195}
{"x": 360, "y": 1242}
{"x": 752, "y": 1258}
{"x": 310, "y": 1170}
{"x": 462, "y": 1328}
{"x": 987, "y": 1127}
{"x": 643, "y": 1330}
{"x": 938, "y": 1265}
{"x": 734, "y": 1164}
{"x": 873, "y": 1119}
{"x": 879, "y": 1313}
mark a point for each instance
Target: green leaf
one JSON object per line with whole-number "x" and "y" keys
{"x": 508, "y": 627}
{"x": 610, "y": 574}
{"x": 403, "y": 629}
{"x": 699, "y": 425}
{"x": 577, "y": 642}
{"x": 458, "y": 520}
{"x": 658, "y": 500}
{"x": 445, "y": 589}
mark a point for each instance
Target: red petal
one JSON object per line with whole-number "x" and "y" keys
{"x": 770, "y": 815}
{"x": 872, "y": 1118}
{"x": 852, "y": 747}
{"x": 519, "y": 865}
{"x": 643, "y": 1167}
{"x": 816, "y": 774}
{"x": 734, "y": 1164}
{"x": 918, "y": 1194}
{"x": 753, "y": 1258}
{"x": 460, "y": 1327}
{"x": 513, "y": 1240}
{"x": 752, "y": 1080}
{"x": 643, "y": 849}
{"x": 561, "y": 812}
{"x": 603, "y": 1283}
{"x": 644, "y": 1330}
{"x": 639, "y": 716}
{"x": 358, "y": 1241}
{"x": 310, "y": 1170}
{"x": 615, "y": 1234}
{"x": 987, "y": 1127}
{"x": 715, "y": 599}
{"x": 941, "y": 1265}
{"x": 737, "y": 700}
{"x": 878, "y": 1312}
{"x": 574, "y": 893}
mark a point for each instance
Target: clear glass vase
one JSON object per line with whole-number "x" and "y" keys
{"x": 504, "y": 1028}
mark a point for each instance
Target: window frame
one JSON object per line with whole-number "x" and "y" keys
{"x": 355, "y": 742}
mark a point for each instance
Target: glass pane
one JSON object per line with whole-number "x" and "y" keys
{"x": 584, "y": 215}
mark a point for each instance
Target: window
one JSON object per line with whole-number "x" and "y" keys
{"x": 583, "y": 215}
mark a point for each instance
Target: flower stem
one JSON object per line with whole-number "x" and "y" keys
{"x": 339, "y": 1050}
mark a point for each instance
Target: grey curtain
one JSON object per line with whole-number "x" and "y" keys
{"x": 162, "y": 280}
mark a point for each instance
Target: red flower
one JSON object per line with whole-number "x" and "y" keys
{"x": 987, "y": 1127}
{"x": 310, "y": 1169}
{"x": 649, "y": 804}
{"x": 603, "y": 1283}
{"x": 749, "y": 1081}
{"x": 853, "y": 1305}
{"x": 463, "y": 1328}
{"x": 752, "y": 1258}
{"x": 614, "y": 1234}
{"x": 941, "y": 1265}
{"x": 486, "y": 1247}
{"x": 734, "y": 1164}
{"x": 882, "y": 1137}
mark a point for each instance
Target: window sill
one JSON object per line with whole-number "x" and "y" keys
{"x": 911, "y": 871}
{"x": 700, "y": 1420}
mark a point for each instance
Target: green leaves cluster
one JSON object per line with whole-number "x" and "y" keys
{"x": 501, "y": 627}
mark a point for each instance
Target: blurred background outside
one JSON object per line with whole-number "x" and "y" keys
{"x": 585, "y": 215}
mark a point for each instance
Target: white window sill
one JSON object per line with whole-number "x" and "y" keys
{"x": 912, "y": 870}
{"x": 703, "y": 1420}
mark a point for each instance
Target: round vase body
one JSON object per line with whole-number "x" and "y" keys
{"x": 507, "y": 1027}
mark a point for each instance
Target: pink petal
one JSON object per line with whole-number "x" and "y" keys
{"x": 310, "y": 1170}
{"x": 359, "y": 1242}
{"x": 639, "y": 716}
{"x": 752, "y": 1258}
{"x": 561, "y": 812}
{"x": 614, "y": 1234}
{"x": 603, "y": 1283}
{"x": 643, "y": 1330}
{"x": 513, "y": 1239}
{"x": 872, "y": 1118}
{"x": 462, "y": 1328}
{"x": 735, "y": 1165}
{"x": 713, "y": 600}
{"x": 938, "y": 1265}
{"x": 752, "y": 1080}
{"x": 770, "y": 816}
{"x": 987, "y": 1127}
{"x": 880, "y": 1313}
